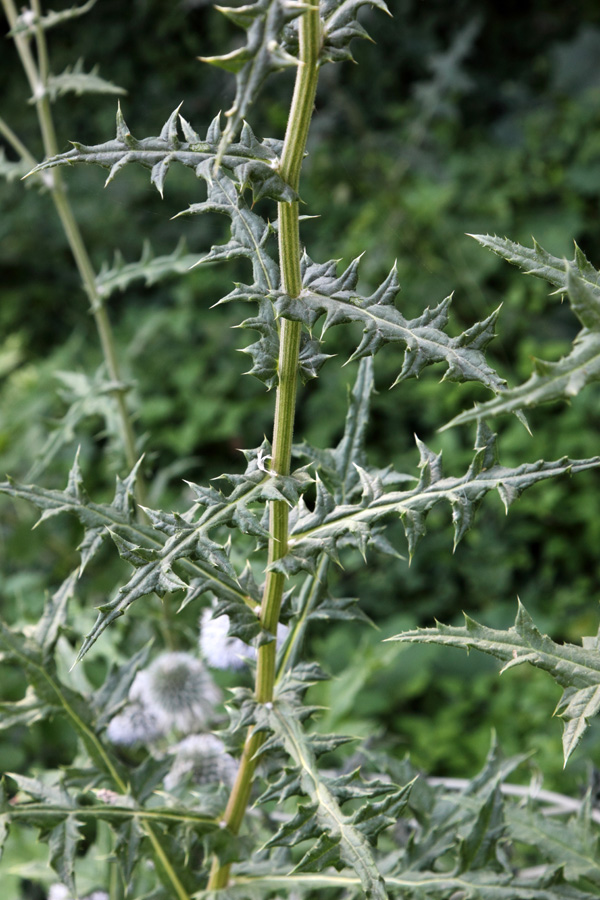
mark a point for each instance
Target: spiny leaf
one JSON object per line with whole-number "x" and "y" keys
{"x": 329, "y": 524}
{"x": 28, "y": 22}
{"x": 336, "y": 297}
{"x": 75, "y": 80}
{"x": 150, "y": 268}
{"x": 24, "y": 712}
{"x": 340, "y": 836}
{"x": 249, "y": 231}
{"x": 12, "y": 170}
{"x": 263, "y": 54}
{"x": 188, "y": 541}
{"x": 576, "y": 669}
{"x": 575, "y": 843}
{"x": 478, "y": 846}
{"x": 86, "y": 398}
{"x": 254, "y": 163}
{"x": 564, "y": 379}
{"x": 54, "y": 616}
{"x": 537, "y": 261}
{"x": 100, "y": 519}
{"x": 341, "y": 25}
{"x": 249, "y": 236}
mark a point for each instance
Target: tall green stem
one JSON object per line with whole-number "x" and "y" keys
{"x": 37, "y": 75}
{"x": 285, "y": 405}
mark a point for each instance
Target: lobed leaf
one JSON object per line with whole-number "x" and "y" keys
{"x": 576, "y": 669}
{"x": 76, "y": 81}
{"x": 254, "y": 163}
{"x": 575, "y": 842}
{"x": 330, "y": 524}
{"x": 487, "y": 885}
{"x": 150, "y": 268}
{"x": 189, "y": 541}
{"x": 86, "y": 398}
{"x": 336, "y": 836}
{"x": 263, "y": 54}
{"x": 564, "y": 379}
{"x": 326, "y": 294}
{"x": 100, "y": 520}
{"x": 341, "y": 26}
{"x": 28, "y": 22}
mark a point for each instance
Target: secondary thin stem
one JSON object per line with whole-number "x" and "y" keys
{"x": 289, "y": 260}
{"x": 38, "y": 83}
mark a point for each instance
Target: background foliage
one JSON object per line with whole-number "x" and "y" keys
{"x": 464, "y": 119}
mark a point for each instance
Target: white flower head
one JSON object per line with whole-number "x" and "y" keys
{"x": 220, "y": 649}
{"x": 178, "y": 691}
{"x": 136, "y": 724}
{"x": 202, "y": 759}
{"x": 62, "y": 892}
{"x": 59, "y": 892}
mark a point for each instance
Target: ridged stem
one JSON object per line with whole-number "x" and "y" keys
{"x": 285, "y": 405}
{"x": 38, "y": 83}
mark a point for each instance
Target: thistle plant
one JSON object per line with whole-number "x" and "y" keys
{"x": 187, "y": 806}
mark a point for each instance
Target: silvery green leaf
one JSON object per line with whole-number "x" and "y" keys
{"x": 488, "y": 885}
{"x": 249, "y": 231}
{"x": 576, "y": 842}
{"x": 325, "y": 293}
{"x": 113, "y": 693}
{"x": 564, "y": 379}
{"x": 54, "y": 615}
{"x": 329, "y": 524}
{"x": 341, "y": 25}
{"x": 24, "y": 712}
{"x": 41, "y": 673}
{"x": 254, "y": 163}
{"x": 263, "y": 54}
{"x": 86, "y": 398}
{"x": 341, "y": 837}
{"x": 477, "y": 847}
{"x": 188, "y": 542}
{"x": 537, "y": 261}
{"x": 12, "y": 171}
{"x": 576, "y": 669}
{"x": 28, "y": 22}
{"x": 150, "y": 268}
{"x": 101, "y": 519}
{"x": 75, "y": 80}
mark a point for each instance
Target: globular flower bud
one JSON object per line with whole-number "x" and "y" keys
{"x": 136, "y": 724}
{"x": 178, "y": 691}
{"x": 201, "y": 758}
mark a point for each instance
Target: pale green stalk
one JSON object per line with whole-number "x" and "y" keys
{"x": 7, "y": 133}
{"x": 289, "y": 260}
{"x": 38, "y": 78}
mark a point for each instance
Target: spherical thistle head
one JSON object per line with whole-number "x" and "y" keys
{"x": 178, "y": 691}
{"x": 136, "y": 724}
{"x": 201, "y": 759}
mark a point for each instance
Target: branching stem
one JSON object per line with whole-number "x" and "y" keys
{"x": 289, "y": 260}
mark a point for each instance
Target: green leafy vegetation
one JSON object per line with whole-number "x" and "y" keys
{"x": 194, "y": 701}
